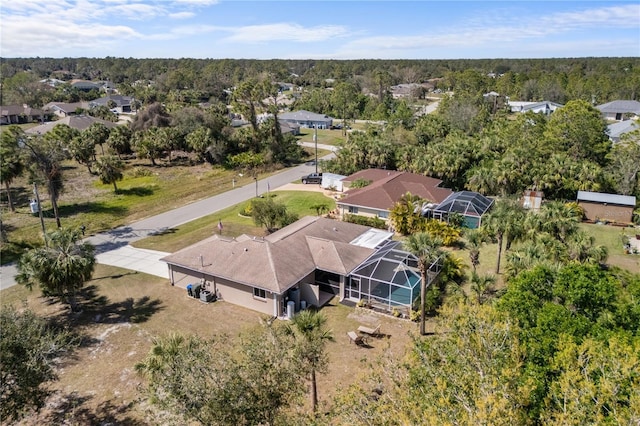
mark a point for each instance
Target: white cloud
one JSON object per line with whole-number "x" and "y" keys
{"x": 284, "y": 31}
{"x": 626, "y": 16}
{"x": 198, "y": 2}
{"x": 182, "y": 15}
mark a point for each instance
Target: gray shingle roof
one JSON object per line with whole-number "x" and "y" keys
{"x": 600, "y": 197}
{"x": 303, "y": 115}
{"x": 620, "y": 107}
{"x": 278, "y": 261}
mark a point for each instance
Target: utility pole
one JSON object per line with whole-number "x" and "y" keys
{"x": 44, "y": 232}
{"x": 315, "y": 139}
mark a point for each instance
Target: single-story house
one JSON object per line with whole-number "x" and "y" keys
{"x": 289, "y": 128}
{"x": 532, "y": 200}
{"x": 64, "y": 109}
{"x": 611, "y": 207}
{"x": 19, "y": 114}
{"x": 307, "y": 119}
{"x": 471, "y": 205}
{"x": 620, "y": 110}
{"x": 386, "y": 188}
{"x": 544, "y": 107}
{"x": 78, "y": 122}
{"x": 616, "y": 130}
{"x": 116, "y": 103}
{"x": 311, "y": 260}
{"x": 85, "y": 85}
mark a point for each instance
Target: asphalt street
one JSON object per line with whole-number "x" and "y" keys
{"x": 112, "y": 247}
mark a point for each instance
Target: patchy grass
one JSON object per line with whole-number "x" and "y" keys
{"x": 611, "y": 237}
{"x": 124, "y": 311}
{"x": 298, "y": 202}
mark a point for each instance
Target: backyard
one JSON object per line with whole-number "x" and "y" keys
{"x": 124, "y": 310}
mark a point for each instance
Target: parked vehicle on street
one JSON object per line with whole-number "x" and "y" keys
{"x": 312, "y": 178}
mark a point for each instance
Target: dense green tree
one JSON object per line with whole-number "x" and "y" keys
{"x": 624, "y": 165}
{"x": 61, "y": 268}
{"x": 119, "y": 141}
{"x": 29, "y": 351}
{"x": 218, "y": 382}
{"x": 11, "y": 159}
{"x": 579, "y": 130}
{"x": 83, "y": 150}
{"x": 271, "y": 214}
{"x": 597, "y": 383}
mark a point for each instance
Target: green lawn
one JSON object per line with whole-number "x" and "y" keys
{"x": 298, "y": 202}
{"x": 325, "y": 137}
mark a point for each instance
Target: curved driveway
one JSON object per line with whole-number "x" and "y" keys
{"x": 112, "y": 247}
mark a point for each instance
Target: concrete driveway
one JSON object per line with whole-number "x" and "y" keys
{"x": 112, "y": 247}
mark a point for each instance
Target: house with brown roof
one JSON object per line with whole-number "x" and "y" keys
{"x": 304, "y": 264}
{"x": 386, "y": 187}
{"x": 19, "y": 114}
{"x": 65, "y": 109}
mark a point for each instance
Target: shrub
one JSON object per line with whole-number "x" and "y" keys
{"x": 374, "y": 222}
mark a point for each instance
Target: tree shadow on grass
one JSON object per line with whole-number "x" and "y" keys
{"x": 72, "y": 409}
{"x": 98, "y": 309}
{"x": 67, "y": 210}
{"x": 138, "y": 191}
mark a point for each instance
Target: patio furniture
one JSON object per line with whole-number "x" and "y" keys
{"x": 355, "y": 338}
{"x": 370, "y": 331}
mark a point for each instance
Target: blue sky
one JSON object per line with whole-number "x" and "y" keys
{"x": 319, "y": 30}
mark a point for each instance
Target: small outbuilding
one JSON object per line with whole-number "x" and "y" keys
{"x": 598, "y": 206}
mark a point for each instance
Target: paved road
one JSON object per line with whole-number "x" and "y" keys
{"x": 112, "y": 247}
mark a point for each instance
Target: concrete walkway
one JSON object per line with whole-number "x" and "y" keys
{"x": 112, "y": 247}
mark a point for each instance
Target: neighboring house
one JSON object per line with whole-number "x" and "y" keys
{"x": 616, "y": 130}
{"x": 19, "y": 114}
{"x": 544, "y": 107}
{"x": 307, "y": 119}
{"x": 85, "y": 86}
{"x": 311, "y": 260}
{"x": 78, "y": 122}
{"x": 620, "y": 110}
{"x": 119, "y": 104}
{"x": 289, "y": 128}
{"x": 385, "y": 189}
{"x": 471, "y": 205}
{"x": 409, "y": 90}
{"x": 63, "y": 109}
{"x": 599, "y": 206}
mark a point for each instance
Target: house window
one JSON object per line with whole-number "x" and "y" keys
{"x": 259, "y": 293}
{"x": 353, "y": 210}
{"x": 383, "y": 215}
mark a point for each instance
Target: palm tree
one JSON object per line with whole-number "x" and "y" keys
{"x": 61, "y": 269}
{"x": 475, "y": 239}
{"x": 427, "y": 249}
{"x": 110, "y": 170}
{"x": 501, "y": 223}
{"x": 309, "y": 327}
{"x": 482, "y": 285}
{"x": 11, "y": 162}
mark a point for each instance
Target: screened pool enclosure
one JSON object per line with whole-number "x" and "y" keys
{"x": 389, "y": 279}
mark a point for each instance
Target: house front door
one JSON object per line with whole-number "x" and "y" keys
{"x": 354, "y": 289}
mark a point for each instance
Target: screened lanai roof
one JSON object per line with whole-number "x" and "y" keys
{"x": 467, "y": 203}
{"x": 391, "y": 264}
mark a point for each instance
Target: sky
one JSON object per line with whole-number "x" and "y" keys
{"x": 319, "y": 30}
